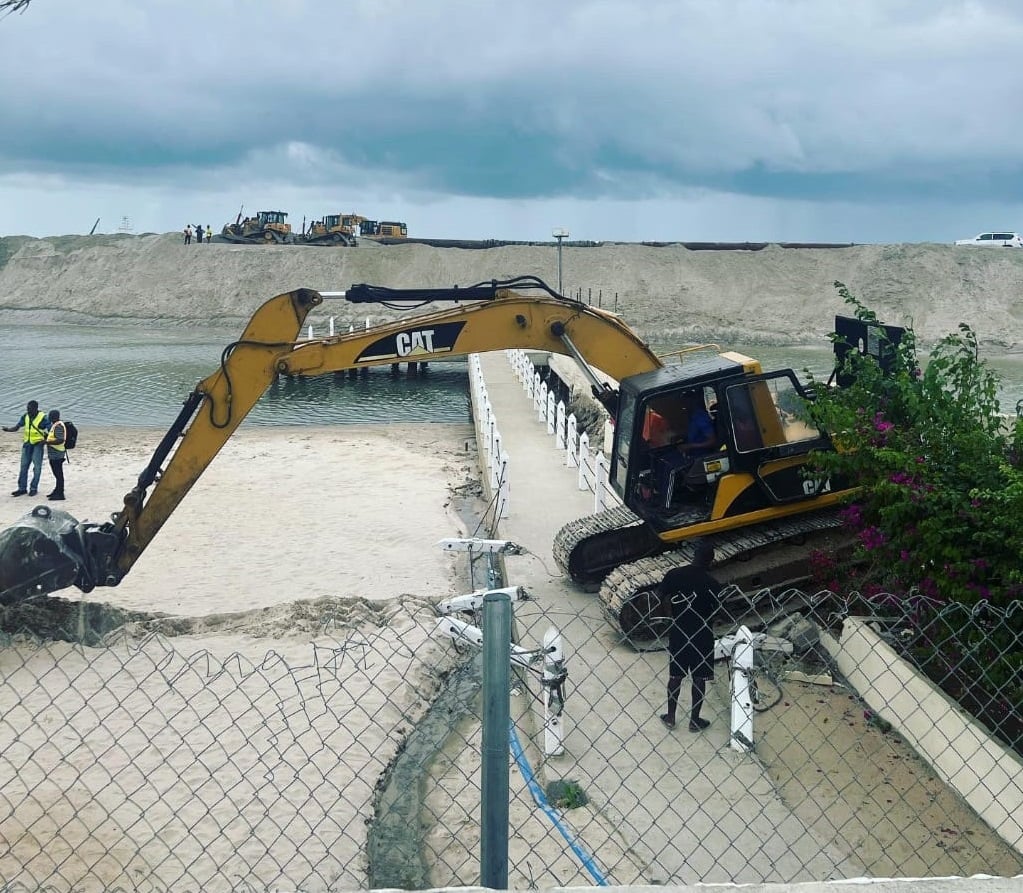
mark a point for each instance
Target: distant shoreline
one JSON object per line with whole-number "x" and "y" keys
{"x": 772, "y": 296}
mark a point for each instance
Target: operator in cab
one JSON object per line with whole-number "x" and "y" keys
{"x": 701, "y": 437}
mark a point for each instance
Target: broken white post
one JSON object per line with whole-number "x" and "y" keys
{"x": 554, "y": 675}
{"x": 741, "y": 738}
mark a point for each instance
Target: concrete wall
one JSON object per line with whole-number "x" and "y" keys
{"x": 987, "y": 775}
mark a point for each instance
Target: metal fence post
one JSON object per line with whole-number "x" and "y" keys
{"x": 496, "y": 749}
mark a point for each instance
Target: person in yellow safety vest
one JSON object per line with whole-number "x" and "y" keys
{"x": 33, "y": 425}
{"x": 56, "y": 452}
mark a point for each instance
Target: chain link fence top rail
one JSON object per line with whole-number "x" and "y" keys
{"x": 335, "y": 745}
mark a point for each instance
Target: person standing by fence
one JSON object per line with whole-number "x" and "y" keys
{"x": 33, "y": 425}
{"x": 693, "y": 595}
{"x": 56, "y": 452}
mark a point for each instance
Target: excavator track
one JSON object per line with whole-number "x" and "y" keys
{"x": 589, "y": 548}
{"x": 629, "y": 598}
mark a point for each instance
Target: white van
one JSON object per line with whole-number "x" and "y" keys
{"x": 997, "y": 240}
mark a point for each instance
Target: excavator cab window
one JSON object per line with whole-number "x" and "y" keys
{"x": 767, "y": 413}
{"x": 652, "y": 458}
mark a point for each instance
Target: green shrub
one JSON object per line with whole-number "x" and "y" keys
{"x": 941, "y": 490}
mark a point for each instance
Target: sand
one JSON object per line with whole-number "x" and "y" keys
{"x": 281, "y": 650}
{"x": 281, "y": 514}
{"x": 777, "y": 295}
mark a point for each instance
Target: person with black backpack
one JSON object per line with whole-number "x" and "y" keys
{"x": 56, "y": 452}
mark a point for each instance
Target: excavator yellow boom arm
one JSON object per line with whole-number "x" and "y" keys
{"x": 268, "y": 347}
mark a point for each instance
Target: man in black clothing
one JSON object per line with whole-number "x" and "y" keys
{"x": 693, "y": 595}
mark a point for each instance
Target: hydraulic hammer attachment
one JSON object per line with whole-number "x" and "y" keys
{"x": 47, "y": 550}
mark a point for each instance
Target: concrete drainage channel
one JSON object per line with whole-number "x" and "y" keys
{"x": 396, "y": 842}
{"x": 395, "y": 845}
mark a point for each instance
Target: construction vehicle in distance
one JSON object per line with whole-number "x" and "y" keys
{"x": 333, "y": 229}
{"x": 347, "y": 229}
{"x": 748, "y": 492}
{"x": 382, "y": 229}
{"x": 266, "y": 228}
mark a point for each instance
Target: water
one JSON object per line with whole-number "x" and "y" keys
{"x": 820, "y": 359}
{"x": 138, "y": 377}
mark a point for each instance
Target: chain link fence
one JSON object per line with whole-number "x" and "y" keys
{"x": 336, "y": 745}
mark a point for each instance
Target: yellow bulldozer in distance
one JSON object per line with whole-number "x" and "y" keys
{"x": 266, "y": 228}
{"x": 333, "y": 229}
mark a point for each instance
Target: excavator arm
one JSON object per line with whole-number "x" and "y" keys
{"x": 49, "y": 550}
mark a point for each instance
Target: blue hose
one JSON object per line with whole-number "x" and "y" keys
{"x": 541, "y": 800}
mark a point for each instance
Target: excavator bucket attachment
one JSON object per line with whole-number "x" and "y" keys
{"x": 40, "y": 553}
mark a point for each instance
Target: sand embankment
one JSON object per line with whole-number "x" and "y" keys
{"x": 776, "y": 295}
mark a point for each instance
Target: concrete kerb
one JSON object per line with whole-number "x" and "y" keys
{"x": 985, "y": 774}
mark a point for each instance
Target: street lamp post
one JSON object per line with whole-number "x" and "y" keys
{"x": 559, "y": 234}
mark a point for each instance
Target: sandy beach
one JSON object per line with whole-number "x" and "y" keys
{"x": 282, "y": 514}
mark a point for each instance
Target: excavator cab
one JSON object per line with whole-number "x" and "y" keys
{"x": 703, "y": 441}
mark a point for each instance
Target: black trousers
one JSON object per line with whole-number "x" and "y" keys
{"x": 57, "y": 467}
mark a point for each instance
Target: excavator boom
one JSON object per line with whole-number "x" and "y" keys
{"x": 46, "y": 551}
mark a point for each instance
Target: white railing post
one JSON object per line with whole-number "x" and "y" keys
{"x": 490, "y": 435}
{"x": 741, "y": 738}
{"x": 600, "y": 475}
{"x": 531, "y": 380}
{"x": 549, "y": 415}
{"x": 554, "y": 675}
{"x": 584, "y": 461}
{"x": 495, "y": 465}
{"x": 571, "y": 442}
{"x": 503, "y": 487}
{"x": 559, "y": 427}
{"x": 310, "y": 335}
{"x": 330, "y": 327}
{"x": 540, "y": 402}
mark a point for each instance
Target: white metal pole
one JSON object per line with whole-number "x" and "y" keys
{"x": 553, "y": 695}
{"x": 741, "y": 738}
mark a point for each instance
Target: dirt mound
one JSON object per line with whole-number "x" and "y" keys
{"x": 779, "y": 295}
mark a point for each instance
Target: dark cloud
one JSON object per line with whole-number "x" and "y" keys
{"x": 806, "y": 100}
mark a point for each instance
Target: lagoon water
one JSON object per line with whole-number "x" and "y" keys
{"x": 138, "y": 377}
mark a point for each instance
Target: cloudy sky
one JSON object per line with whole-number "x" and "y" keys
{"x": 781, "y": 120}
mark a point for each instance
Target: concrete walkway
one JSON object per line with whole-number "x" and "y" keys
{"x": 666, "y": 807}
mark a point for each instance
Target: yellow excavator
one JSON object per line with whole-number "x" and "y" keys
{"x": 740, "y": 480}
